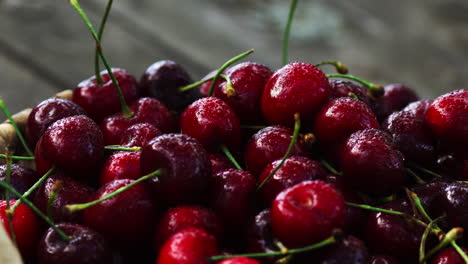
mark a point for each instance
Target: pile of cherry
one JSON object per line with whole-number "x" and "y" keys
{"x": 368, "y": 175}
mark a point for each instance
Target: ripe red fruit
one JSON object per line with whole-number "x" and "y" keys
{"x": 395, "y": 98}
{"x": 307, "y": 213}
{"x": 219, "y": 163}
{"x": 340, "y": 88}
{"x": 121, "y": 165}
{"x": 260, "y": 236}
{"x": 205, "y": 87}
{"x": 239, "y": 260}
{"x": 139, "y": 135}
{"x": 296, "y": 88}
{"x": 419, "y": 108}
{"x": 21, "y": 179}
{"x": 449, "y": 256}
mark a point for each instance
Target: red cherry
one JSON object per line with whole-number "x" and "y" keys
{"x": 307, "y": 213}
{"x": 340, "y": 88}
{"x": 383, "y": 259}
{"x": 139, "y": 135}
{"x": 21, "y": 179}
{"x": 205, "y": 87}
{"x": 449, "y": 256}
{"x": 395, "y": 98}
{"x": 239, "y": 260}
{"x": 419, "y": 108}
{"x": 296, "y": 88}
{"x": 121, "y": 165}
{"x": 349, "y": 250}
{"x": 219, "y": 163}
{"x": 260, "y": 238}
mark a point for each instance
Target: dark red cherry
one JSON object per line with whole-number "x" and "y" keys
{"x": 231, "y": 195}
{"x": 162, "y": 81}
{"x": 268, "y": 145}
{"x": 145, "y": 110}
{"x": 189, "y": 246}
{"x": 183, "y": 217}
{"x": 395, "y": 98}
{"x": 383, "y": 259}
{"x": 341, "y": 88}
{"x": 70, "y": 192}
{"x": 294, "y": 170}
{"x": 349, "y": 250}
{"x": 453, "y": 163}
{"x": 212, "y": 122}
{"x": 126, "y": 217}
{"x": 46, "y": 113}
{"x": 86, "y": 246}
{"x": 185, "y": 166}
{"x": 101, "y": 100}
{"x": 419, "y": 108}
{"x": 26, "y": 226}
{"x": 307, "y": 213}
{"x": 453, "y": 204}
{"x": 449, "y": 256}
{"x": 205, "y": 87}
{"x": 371, "y": 163}
{"x": 447, "y": 117}
{"x": 21, "y": 179}
{"x": 121, "y": 165}
{"x": 139, "y": 135}
{"x": 412, "y": 136}
{"x": 340, "y": 118}
{"x": 72, "y": 143}
{"x": 296, "y": 88}
{"x": 248, "y": 79}
{"x": 239, "y": 260}
{"x": 260, "y": 236}
{"x": 219, "y": 163}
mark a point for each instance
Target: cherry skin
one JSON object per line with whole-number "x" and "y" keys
{"x": 46, "y": 113}
{"x": 268, "y": 145}
{"x": 121, "y": 165}
{"x": 383, "y": 259}
{"x": 453, "y": 204}
{"x": 340, "y": 88}
{"x": 340, "y": 118}
{"x": 100, "y": 101}
{"x": 21, "y": 179}
{"x": 212, "y": 122}
{"x": 189, "y": 246}
{"x": 239, "y": 260}
{"x": 419, "y": 108}
{"x": 371, "y": 163}
{"x": 85, "y": 247}
{"x": 296, "y": 88}
{"x": 219, "y": 163}
{"x": 146, "y": 110}
{"x": 248, "y": 79}
{"x": 447, "y": 117}
{"x": 26, "y": 226}
{"x": 449, "y": 256}
{"x": 71, "y": 192}
{"x": 307, "y": 213}
{"x": 260, "y": 236}
{"x": 185, "y": 166}
{"x": 205, "y": 87}
{"x": 395, "y": 98}
{"x": 294, "y": 170}
{"x": 183, "y": 217}
{"x": 349, "y": 250}
{"x": 139, "y": 135}
{"x": 127, "y": 217}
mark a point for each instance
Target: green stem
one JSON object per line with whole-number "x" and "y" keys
{"x": 376, "y": 209}
{"x": 55, "y": 191}
{"x": 125, "y": 109}
{"x": 18, "y": 132}
{"x": 198, "y": 83}
{"x": 297, "y": 128}
{"x": 229, "y": 155}
{"x": 7, "y": 180}
{"x": 36, "y": 210}
{"x": 452, "y": 235}
{"x": 76, "y": 207}
{"x": 100, "y": 33}
{"x": 459, "y": 250}
{"x": 224, "y": 66}
{"x": 422, "y": 245}
{"x": 413, "y": 196}
{"x": 339, "y": 66}
{"x": 122, "y": 148}
{"x": 12, "y": 230}
{"x": 16, "y": 157}
{"x": 287, "y": 31}
{"x": 329, "y": 167}
{"x": 375, "y": 89}
{"x": 416, "y": 166}
{"x": 418, "y": 179}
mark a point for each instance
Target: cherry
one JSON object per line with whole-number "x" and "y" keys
{"x": 162, "y": 81}
{"x": 189, "y": 246}
{"x": 383, "y": 259}
{"x": 85, "y": 247}
{"x": 340, "y": 88}
{"x": 219, "y": 163}
{"x": 145, "y": 110}
{"x": 26, "y": 227}
{"x": 340, "y": 118}
{"x": 126, "y": 217}
{"x": 21, "y": 178}
{"x": 419, "y": 108}
{"x": 183, "y": 217}
{"x": 121, "y": 165}
{"x": 449, "y": 256}
{"x": 185, "y": 165}
{"x": 101, "y": 100}
{"x": 212, "y": 122}
{"x": 294, "y": 170}
{"x": 69, "y": 192}
{"x": 453, "y": 204}
{"x": 453, "y": 164}
{"x": 371, "y": 162}
{"x": 248, "y": 80}
{"x": 46, "y": 113}
{"x": 296, "y": 88}
{"x": 72, "y": 143}
{"x": 139, "y": 135}
{"x": 239, "y": 260}
{"x": 205, "y": 87}
{"x": 307, "y": 213}
{"x": 395, "y": 98}
{"x": 349, "y": 250}
{"x": 268, "y": 145}
{"x": 447, "y": 117}
{"x": 260, "y": 235}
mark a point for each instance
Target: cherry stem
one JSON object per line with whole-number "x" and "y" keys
{"x": 4, "y": 156}
{"x": 100, "y": 32}
{"x": 71, "y": 208}
{"x": 330, "y": 240}
{"x": 339, "y": 66}
{"x": 354, "y": 96}
{"x": 56, "y": 188}
{"x": 414, "y": 197}
{"x": 125, "y": 109}
{"x": 292, "y": 143}
{"x": 13, "y": 123}
{"x": 416, "y": 166}
{"x": 229, "y": 155}
{"x": 224, "y": 66}
{"x": 35, "y": 209}
{"x": 287, "y": 31}
{"x": 122, "y": 148}
{"x": 422, "y": 245}
{"x": 33, "y": 188}
{"x": 375, "y": 89}
{"x": 195, "y": 84}
{"x": 460, "y": 251}
{"x": 7, "y": 180}
{"x": 329, "y": 167}
{"x": 418, "y": 179}
{"x": 452, "y": 235}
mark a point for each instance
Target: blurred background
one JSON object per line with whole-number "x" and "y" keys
{"x": 46, "y": 48}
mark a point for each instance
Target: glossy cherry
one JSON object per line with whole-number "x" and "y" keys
{"x": 419, "y": 108}
{"x": 121, "y": 165}
{"x": 205, "y": 87}
{"x": 239, "y": 260}
{"x": 21, "y": 178}
{"x": 350, "y": 250}
{"x": 449, "y": 256}
{"x": 452, "y": 203}
{"x": 219, "y": 163}
{"x": 341, "y": 88}
{"x": 395, "y": 98}
{"x": 139, "y": 135}
{"x": 260, "y": 236}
